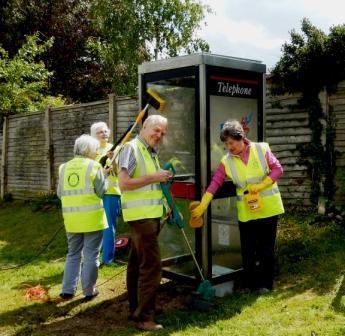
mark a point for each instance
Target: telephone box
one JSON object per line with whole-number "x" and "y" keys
{"x": 202, "y": 91}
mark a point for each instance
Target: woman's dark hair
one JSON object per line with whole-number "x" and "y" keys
{"x": 232, "y": 129}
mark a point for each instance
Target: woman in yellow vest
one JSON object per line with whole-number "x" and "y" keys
{"x": 81, "y": 186}
{"x": 254, "y": 170}
{"x": 111, "y": 199}
{"x": 142, "y": 207}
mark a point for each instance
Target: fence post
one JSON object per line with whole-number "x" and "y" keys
{"x": 112, "y": 116}
{"x": 4, "y": 158}
{"x": 48, "y": 147}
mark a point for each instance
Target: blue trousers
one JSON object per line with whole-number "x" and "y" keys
{"x": 111, "y": 204}
{"x": 86, "y": 244}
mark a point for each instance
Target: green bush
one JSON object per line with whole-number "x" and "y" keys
{"x": 45, "y": 200}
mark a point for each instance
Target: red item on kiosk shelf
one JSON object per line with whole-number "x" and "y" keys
{"x": 183, "y": 190}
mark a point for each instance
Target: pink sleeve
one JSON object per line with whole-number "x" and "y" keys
{"x": 276, "y": 169}
{"x": 217, "y": 179}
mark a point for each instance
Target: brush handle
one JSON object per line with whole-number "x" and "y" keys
{"x": 128, "y": 135}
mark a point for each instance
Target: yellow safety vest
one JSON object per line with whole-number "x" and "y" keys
{"x": 113, "y": 182}
{"x": 254, "y": 172}
{"x": 82, "y": 209}
{"x": 144, "y": 202}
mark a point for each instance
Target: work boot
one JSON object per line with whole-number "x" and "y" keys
{"x": 264, "y": 290}
{"x": 66, "y": 296}
{"x": 148, "y": 326}
{"x": 91, "y": 296}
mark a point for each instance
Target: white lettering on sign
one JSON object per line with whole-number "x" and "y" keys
{"x": 233, "y": 89}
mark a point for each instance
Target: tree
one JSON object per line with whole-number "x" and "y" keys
{"x": 24, "y": 79}
{"x": 312, "y": 62}
{"x": 133, "y": 31}
{"x": 75, "y": 75}
{"x": 98, "y": 44}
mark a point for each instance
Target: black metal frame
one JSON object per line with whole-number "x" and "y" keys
{"x": 228, "y": 188}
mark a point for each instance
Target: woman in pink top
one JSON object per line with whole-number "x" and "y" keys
{"x": 253, "y": 168}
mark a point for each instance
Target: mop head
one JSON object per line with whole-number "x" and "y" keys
{"x": 206, "y": 290}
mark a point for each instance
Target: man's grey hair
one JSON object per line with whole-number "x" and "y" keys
{"x": 232, "y": 129}
{"x": 86, "y": 145}
{"x": 98, "y": 126}
{"x": 155, "y": 119}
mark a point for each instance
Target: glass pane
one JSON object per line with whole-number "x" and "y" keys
{"x": 179, "y": 143}
{"x": 226, "y": 246}
{"x": 178, "y": 148}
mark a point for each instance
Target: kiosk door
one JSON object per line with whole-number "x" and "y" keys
{"x": 232, "y": 95}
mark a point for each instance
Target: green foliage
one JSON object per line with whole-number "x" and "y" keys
{"x": 99, "y": 44}
{"x": 313, "y": 62}
{"x": 24, "y": 78}
{"x": 131, "y": 32}
{"x": 45, "y": 201}
{"x": 308, "y": 295}
{"x": 8, "y": 198}
{"x": 75, "y": 73}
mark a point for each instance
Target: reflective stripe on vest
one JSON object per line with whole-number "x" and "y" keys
{"x": 81, "y": 208}
{"x": 262, "y": 193}
{"x": 254, "y": 172}
{"x": 144, "y": 202}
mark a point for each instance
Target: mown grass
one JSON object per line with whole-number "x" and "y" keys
{"x": 309, "y": 297}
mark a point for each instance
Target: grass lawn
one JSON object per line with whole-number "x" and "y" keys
{"x": 309, "y": 295}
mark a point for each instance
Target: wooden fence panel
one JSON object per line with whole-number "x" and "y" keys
{"x": 31, "y": 145}
{"x": 26, "y": 164}
{"x": 285, "y": 128}
{"x": 66, "y": 124}
{"x": 38, "y": 143}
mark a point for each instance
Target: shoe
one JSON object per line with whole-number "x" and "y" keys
{"x": 264, "y": 290}
{"x": 148, "y": 326}
{"x": 66, "y": 296}
{"x": 92, "y": 296}
{"x": 244, "y": 290}
{"x": 132, "y": 317}
{"x": 101, "y": 265}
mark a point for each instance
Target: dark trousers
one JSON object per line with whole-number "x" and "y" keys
{"x": 144, "y": 268}
{"x": 257, "y": 246}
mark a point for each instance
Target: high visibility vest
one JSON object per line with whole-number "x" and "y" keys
{"x": 144, "y": 202}
{"x": 82, "y": 209}
{"x": 113, "y": 182}
{"x": 254, "y": 172}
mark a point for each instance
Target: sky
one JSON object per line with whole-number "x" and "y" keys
{"x": 257, "y": 29}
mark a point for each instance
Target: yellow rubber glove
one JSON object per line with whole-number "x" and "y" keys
{"x": 256, "y": 187}
{"x": 201, "y": 208}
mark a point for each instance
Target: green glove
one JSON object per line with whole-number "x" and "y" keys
{"x": 201, "y": 208}
{"x": 256, "y": 187}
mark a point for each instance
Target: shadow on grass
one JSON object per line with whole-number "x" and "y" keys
{"x": 109, "y": 317}
{"x": 27, "y": 235}
{"x": 46, "y": 282}
{"x": 36, "y": 313}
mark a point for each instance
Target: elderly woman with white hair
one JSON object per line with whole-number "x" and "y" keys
{"x": 81, "y": 186}
{"x": 111, "y": 199}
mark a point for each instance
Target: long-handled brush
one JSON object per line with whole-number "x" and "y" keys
{"x": 152, "y": 99}
{"x": 205, "y": 288}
